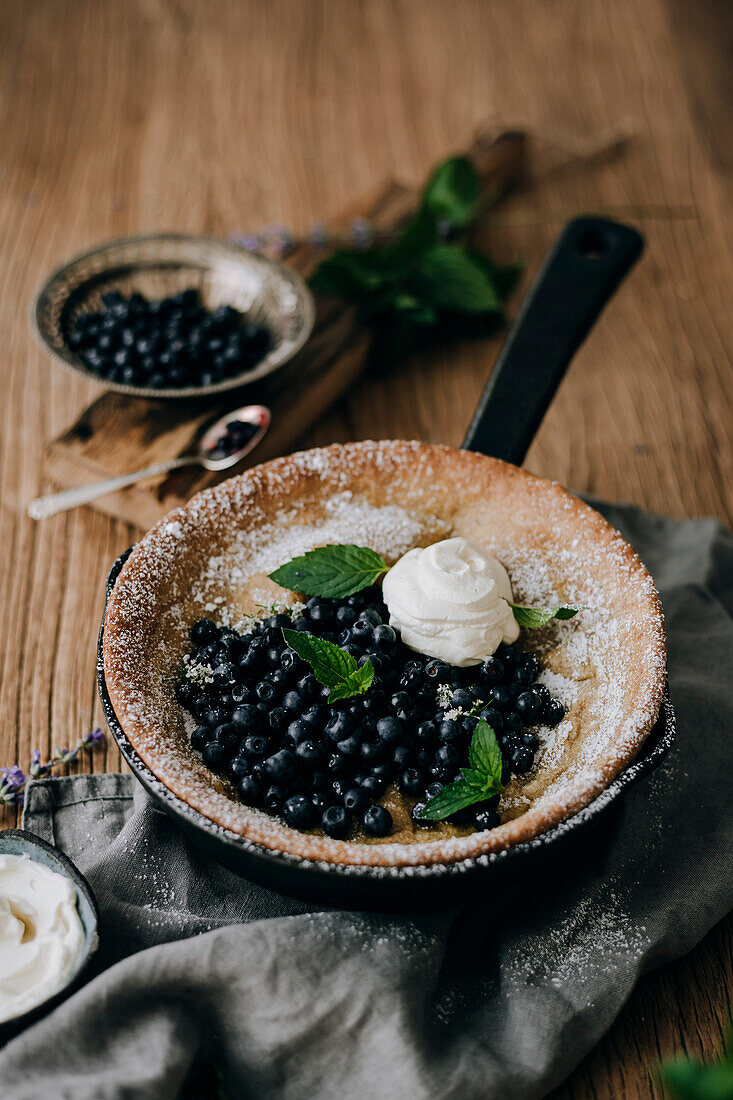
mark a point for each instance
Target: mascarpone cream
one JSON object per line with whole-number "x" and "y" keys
{"x": 451, "y": 600}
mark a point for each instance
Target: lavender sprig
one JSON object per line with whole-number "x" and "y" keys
{"x": 13, "y": 780}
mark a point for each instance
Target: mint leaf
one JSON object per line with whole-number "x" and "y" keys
{"x": 484, "y": 753}
{"x": 420, "y": 233}
{"x": 331, "y": 571}
{"x": 480, "y": 781}
{"x": 456, "y": 796}
{"x": 332, "y": 666}
{"x": 451, "y": 280}
{"x": 534, "y": 617}
{"x": 452, "y": 192}
{"x": 349, "y": 275}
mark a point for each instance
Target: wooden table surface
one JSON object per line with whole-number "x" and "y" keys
{"x": 141, "y": 115}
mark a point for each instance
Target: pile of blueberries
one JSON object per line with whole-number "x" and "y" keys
{"x": 264, "y": 719}
{"x": 166, "y": 343}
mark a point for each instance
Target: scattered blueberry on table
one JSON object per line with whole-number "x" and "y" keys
{"x": 264, "y": 722}
{"x": 166, "y": 343}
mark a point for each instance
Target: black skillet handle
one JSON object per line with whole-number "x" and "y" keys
{"x": 578, "y": 277}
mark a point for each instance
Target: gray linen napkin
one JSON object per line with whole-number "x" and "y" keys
{"x": 210, "y": 979}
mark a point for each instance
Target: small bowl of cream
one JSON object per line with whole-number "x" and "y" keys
{"x": 48, "y": 929}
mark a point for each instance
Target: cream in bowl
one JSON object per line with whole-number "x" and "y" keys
{"x": 48, "y": 927}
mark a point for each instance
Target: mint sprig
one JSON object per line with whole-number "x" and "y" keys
{"x": 478, "y": 782}
{"x": 333, "y": 571}
{"x": 427, "y": 285}
{"x": 535, "y": 617}
{"x": 333, "y": 667}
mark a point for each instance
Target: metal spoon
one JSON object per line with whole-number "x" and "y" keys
{"x": 205, "y": 456}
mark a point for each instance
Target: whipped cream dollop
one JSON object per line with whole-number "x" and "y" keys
{"x": 41, "y": 934}
{"x": 449, "y": 600}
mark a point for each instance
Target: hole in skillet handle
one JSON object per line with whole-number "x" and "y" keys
{"x": 579, "y": 275}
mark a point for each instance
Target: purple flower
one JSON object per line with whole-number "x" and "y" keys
{"x": 360, "y": 232}
{"x": 94, "y": 737}
{"x": 66, "y": 756}
{"x": 38, "y": 769}
{"x": 12, "y": 781}
{"x": 318, "y": 235}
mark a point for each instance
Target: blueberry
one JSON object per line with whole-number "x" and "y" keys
{"x": 200, "y": 737}
{"x": 298, "y": 812}
{"x": 266, "y": 691}
{"x": 308, "y": 688}
{"x": 493, "y": 718}
{"x": 373, "y": 785}
{"x": 239, "y": 767}
{"x": 345, "y": 616}
{"x": 401, "y": 756}
{"x": 374, "y": 752}
{"x": 400, "y": 701}
{"x": 418, "y": 821}
{"x": 214, "y": 716}
{"x": 349, "y": 746}
{"x": 280, "y": 767}
{"x": 437, "y": 671}
{"x": 356, "y": 800}
{"x": 248, "y": 717}
{"x": 492, "y": 670}
{"x": 447, "y": 756}
{"x": 277, "y": 719}
{"x": 373, "y": 618}
{"x": 554, "y": 712}
{"x": 543, "y": 693}
{"x": 361, "y": 631}
{"x": 316, "y": 716}
{"x": 336, "y": 822}
{"x": 204, "y": 631}
{"x": 280, "y": 682}
{"x": 297, "y": 732}
{"x": 433, "y": 790}
{"x": 241, "y": 693}
{"x": 377, "y": 821}
{"x": 254, "y": 747}
{"x": 382, "y": 772}
{"x": 228, "y": 735}
{"x": 214, "y": 755}
{"x": 292, "y": 701}
{"x": 426, "y": 732}
{"x": 412, "y": 782}
{"x": 521, "y": 760}
{"x": 390, "y": 730}
{"x": 274, "y": 799}
{"x": 529, "y": 706}
{"x": 501, "y": 697}
{"x": 512, "y": 724}
{"x": 448, "y": 731}
{"x": 339, "y": 787}
{"x": 460, "y": 697}
{"x": 531, "y": 740}
{"x": 308, "y": 753}
{"x": 319, "y": 612}
{"x": 336, "y": 764}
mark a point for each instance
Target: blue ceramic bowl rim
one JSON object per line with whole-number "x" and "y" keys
{"x": 660, "y": 742}
{"x": 31, "y": 844}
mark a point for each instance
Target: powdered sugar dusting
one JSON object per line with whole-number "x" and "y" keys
{"x": 606, "y": 665}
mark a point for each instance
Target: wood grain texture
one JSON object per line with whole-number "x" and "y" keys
{"x": 143, "y": 115}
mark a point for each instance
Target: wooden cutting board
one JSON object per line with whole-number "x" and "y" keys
{"x": 118, "y": 433}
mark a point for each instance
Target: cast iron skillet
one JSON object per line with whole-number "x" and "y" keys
{"x": 580, "y": 274}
